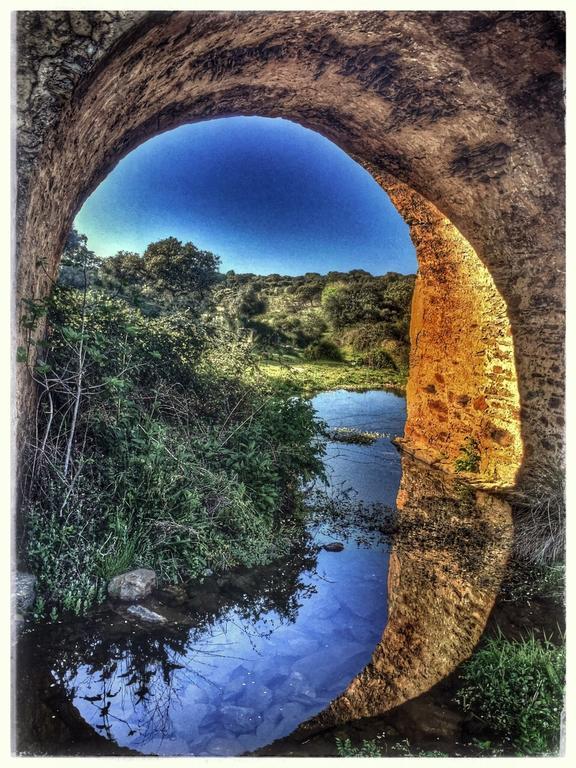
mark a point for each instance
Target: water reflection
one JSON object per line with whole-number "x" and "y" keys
{"x": 371, "y": 473}
{"x": 245, "y": 658}
{"x": 449, "y": 551}
{"x": 229, "y": 681}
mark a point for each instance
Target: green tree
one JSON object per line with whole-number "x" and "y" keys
{"x": 169, "y": 275}
{"x": 348, "y": 304}
{"x": 79, "y": 264}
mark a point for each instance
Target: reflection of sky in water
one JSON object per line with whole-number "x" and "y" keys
{"x": 371, "y": 471}
{"x": 239, "y": 684}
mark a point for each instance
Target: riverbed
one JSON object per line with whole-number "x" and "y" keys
{"x": 249, "y": 655}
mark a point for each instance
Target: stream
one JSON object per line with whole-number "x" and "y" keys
{"x": 248, "y": 656}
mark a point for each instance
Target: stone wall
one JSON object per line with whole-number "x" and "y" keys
{"x": 464, "y": 108}
{"x": 463, "y": 389}
{"x": 460, "y": 117}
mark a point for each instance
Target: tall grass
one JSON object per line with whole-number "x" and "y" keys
{"x": 517, "y": 689}
{"x": 540, "y": 512}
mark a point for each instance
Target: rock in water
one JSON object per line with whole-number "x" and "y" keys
{"x": 334, "y": 546}
{"x": 135, "y": 585}
{"x": 172, "y": 594}
{"x": 239, "y": 719}
{"x": 144, "y": 614}
{"x": 24, "y": 591}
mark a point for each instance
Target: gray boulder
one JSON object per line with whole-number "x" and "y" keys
{"x": 24, "y": 591}
{"x": 135, "y": 585}
{"x": 144, "y": 614}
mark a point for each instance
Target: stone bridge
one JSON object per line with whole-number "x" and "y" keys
{"x": 459, "y": 117}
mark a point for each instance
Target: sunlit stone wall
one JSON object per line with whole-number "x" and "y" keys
{"x": 462, "y": 383}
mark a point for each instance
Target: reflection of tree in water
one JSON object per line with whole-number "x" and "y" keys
{"x": 340, "y": 513}
{"x": 118, "y": 669}
{"x": 274, "y": 592}
{"x": 119, "y": 674}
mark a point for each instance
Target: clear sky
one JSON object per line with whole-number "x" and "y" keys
{"x": 264, "y": 194}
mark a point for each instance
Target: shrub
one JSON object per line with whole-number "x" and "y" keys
{"x": 517, "y": 689}
{"x": 540, "y": 512}
{"x": 470, "y": 459}
{"x": 368, "y": 748}
{"x": 380, "y": 359}
{"x": 323, "y": 350}
{"x": 63, "y": 546}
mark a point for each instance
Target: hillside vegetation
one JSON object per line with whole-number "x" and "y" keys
{"x": 340, "y": 329}
{"x": 157, "y": 441}
{"x": 160, "y": 438}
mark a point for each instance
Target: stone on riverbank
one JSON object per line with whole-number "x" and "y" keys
{"x": 24, "y": 591}
{"x": 134, "y": 585}
{"x": 144, "y": 614}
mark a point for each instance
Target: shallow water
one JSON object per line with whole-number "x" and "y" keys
{"x": 249, "y": 656}
{"x": 371, "y": 473}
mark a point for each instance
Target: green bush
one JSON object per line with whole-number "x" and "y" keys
{"x": 323, "y": 350}
{"x": 517, "y": 689}
{"x": 368, "y": 748}
{"x": 380, "y": 359}
{"x": 469, "y": 461}
{"x": 63, "y": 546}
{"x": 157, "y": 444}
{"x": 366, "y": 336}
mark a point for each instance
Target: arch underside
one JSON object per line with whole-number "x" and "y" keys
{"x": 451, "y": 116}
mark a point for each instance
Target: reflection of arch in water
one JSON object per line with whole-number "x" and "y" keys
{"x": 460, "y": 122}
{"x": 446, "y": 565}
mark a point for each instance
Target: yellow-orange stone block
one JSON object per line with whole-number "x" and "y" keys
{"x": 462, "y": 381}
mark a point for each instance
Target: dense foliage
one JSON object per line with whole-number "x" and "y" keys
{"x": 157, "y": 441}
{"x": 334, "y": 317}
{"x": 517, "y": 689}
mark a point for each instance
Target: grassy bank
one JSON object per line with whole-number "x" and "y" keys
{"x": 157, "y": 442}
{"x": 309, "y": 377}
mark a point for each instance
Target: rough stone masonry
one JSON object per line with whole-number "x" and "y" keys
{"x": 460, "y": 117}
{"x": 463, "y": 111}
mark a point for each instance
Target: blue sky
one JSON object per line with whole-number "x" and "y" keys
{"x": 264, "y": 194}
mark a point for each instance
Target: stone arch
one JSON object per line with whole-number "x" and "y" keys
{"x": 460, "y": 125}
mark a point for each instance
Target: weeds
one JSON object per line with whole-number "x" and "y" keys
{"x": 527, "y": 581}
{"x": 368, "y": 748}
{"x": 540, "y": 512}
{"x": 470, "y": 459}
{"x": 517, "y": 689}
